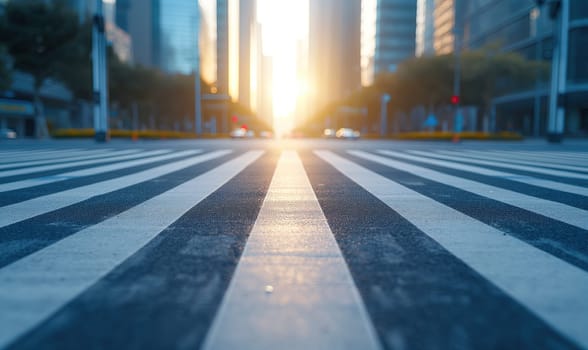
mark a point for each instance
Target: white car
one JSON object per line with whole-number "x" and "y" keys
{"x": 347, "y": 133}
{"x": 329, "y": 133}
{"x": 239, "y": 133}
{"x": 7, "y": 134}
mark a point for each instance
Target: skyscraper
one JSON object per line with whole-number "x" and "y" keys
{"x": 448, "y": 17}
{"x": 164, "y": 33}
{"x": 388, "y": 35}
{"x": 425, "y": 30}
{"x": 222, "y": 46}
{"x": 247, "y": 23}
{"x": 334, "y": 50}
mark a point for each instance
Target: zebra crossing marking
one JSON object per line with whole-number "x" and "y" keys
{"x": 14, "y": 213}
{"x": 72, "y": 162}
{"x": 291, "y": 282}
{"x": 552, "y": 172}
{"x": 556, "y": 292}
{"x": 146, "y": 158}
{"x": 59, "y": 158}
{"x": 554, "y": 185}
{"x": 558, "y": 211}
{"x": 516, "y": 159}
{"x": 71, "y": 265}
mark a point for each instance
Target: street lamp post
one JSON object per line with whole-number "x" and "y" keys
{"x": 100, "y": 85}
{"x": 384, "y": 114}
{"x": 559, "y": 11}
{"x": 197, "y": 87}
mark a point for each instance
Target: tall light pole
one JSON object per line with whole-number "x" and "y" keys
{"x": 100, "y": 82}
{"x": 559, "y": 11}
{"x": 384, "y": 114}
{"x": 455, "y": 99}
{"x": 197, "y": 87}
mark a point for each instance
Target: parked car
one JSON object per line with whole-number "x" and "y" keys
{"x": 347, "y": 133}
{"x": 329, "y": 133}
{"x": 238, "y": 133}
{"x": 7, "y": 134}
{"x": 242, "y": 133}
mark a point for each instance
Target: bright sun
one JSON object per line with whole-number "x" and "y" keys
{"x": 285, "y": 31}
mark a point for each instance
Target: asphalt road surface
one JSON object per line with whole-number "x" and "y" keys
{"x": 325, "y": 244}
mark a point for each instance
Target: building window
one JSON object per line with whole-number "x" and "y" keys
{"x": 578, "y": 56}
{"x": 578, "y": 9}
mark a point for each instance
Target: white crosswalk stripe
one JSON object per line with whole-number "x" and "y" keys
{"x": 55, "y": 157}
{"x": 67, "y": 267}
{"x": 554, "y": 210}
{"x": 313, "y": 301}
{"x": 538, "y": 170}
{"x": 556, "y": 291}
{"x": 10, "y": 156}
{"x": 559, "y": 156}
{"x": 14, "y": 213}
{"x": 516, "y": 159}
{"x": 425, "y": 157}
{"x": 146, "y": 158}
{"x": 76, "y": 161}
{"x": 298, "y": 242}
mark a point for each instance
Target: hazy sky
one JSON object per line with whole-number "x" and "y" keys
{"x": 284, "y": 24}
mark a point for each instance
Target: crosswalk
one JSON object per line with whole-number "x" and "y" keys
{"x": 309, "y": 248}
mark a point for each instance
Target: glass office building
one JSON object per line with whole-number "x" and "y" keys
{"x": 388, "y": 35}
{"x": 519, "y": 26}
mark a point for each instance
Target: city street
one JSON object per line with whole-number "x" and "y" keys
{"x": 293, "y": 244}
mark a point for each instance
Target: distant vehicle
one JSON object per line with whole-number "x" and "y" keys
{"x": 7, "y": 134}
{"x": 242, "y": 133}
{"x": 329, "y": 133}
{"x": 347, "y": 133}
{"x": 266, "y": 135}
{"x": 239, "y": 133}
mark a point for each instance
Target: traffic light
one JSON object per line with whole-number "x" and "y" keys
{"x": 235, "y": 119}
{"x": 455, "y": 100}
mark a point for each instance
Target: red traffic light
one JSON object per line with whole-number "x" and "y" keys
{"x": 454, "y": 99}
{"x": 234, "y": 119}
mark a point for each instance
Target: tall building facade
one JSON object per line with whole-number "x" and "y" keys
{"x": 448, "y": 24}
{"x": 165, "y": 33}
{"x": 334, "y": 50}
{"x": 425, "y": 28}
{"x": 247, "y": 38}
{"x": 388, "y": 35}
{"x": 519, "y": 26}
{"x": 222, "y": 46}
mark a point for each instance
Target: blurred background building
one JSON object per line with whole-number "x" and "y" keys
{"x": 521, "y": 27}
{"x": 425, "y": 28}
{"x": 334, "y": 50}
{"x": 388, "y": 35}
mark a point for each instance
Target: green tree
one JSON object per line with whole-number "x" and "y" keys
{"x": 428, "y": 81}
{"x": 37, "y": 35}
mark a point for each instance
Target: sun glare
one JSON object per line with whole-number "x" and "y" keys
{"x": 285, "y": 31}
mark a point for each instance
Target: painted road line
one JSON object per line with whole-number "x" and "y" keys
{"x": 556, "y": 291}
{"x": 68, "y": 267}
{"x": 510, "y": 158}
{"x": 57, "y": 157}
{"x": 292, "y": 288}
{"x": 425, "y": 157}
{"x": 71, "y": 162}
{"x": 558, "y": 211}
{"x": 14, "y": 213}
{"x": 146, "y": 158}
{"x": 538, "y": 170}
{"x": 559, "y": 157}
{"x": 19, "y": 154}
